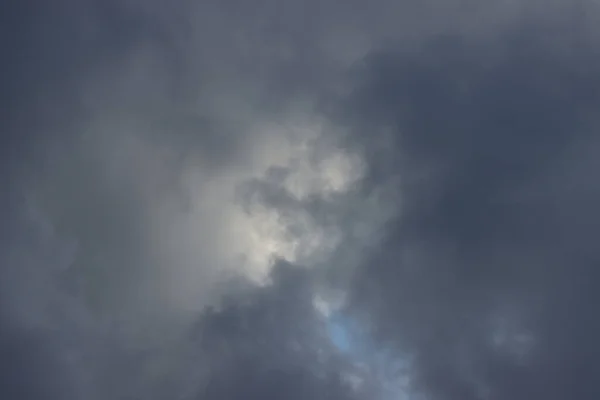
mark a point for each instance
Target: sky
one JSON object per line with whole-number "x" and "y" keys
{"x": 318, "y": 199}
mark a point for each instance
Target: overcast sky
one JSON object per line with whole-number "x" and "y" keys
{"x": 303, "y": 200}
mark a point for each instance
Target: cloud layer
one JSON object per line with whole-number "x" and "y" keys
{"x": 200, "y": 197}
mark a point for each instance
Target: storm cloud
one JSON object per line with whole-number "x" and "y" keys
{"x": 487, "y": 279}
{"x": 304, "y": 200}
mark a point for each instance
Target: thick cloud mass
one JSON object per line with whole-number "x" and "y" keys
{"x": 196, "y": 195}
{"x": 488, "y": 277}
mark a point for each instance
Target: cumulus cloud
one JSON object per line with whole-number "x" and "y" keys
{"x": 201, "y": 196}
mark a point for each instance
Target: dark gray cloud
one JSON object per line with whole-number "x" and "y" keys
{"x": 272, "y": 344}
{"x": 190, "y": 189}
{"x": 487, "y": 279}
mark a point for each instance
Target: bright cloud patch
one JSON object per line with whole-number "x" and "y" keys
{"x": 242, "y": 219}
